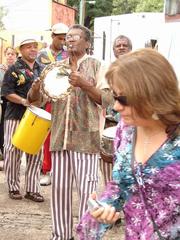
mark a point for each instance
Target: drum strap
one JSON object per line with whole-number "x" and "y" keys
{"x": 50, "y": 56}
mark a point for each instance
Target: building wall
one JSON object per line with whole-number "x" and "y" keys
{"x": 62, "y": 13}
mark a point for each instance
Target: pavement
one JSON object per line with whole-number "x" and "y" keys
{"x": 27, "y": 220}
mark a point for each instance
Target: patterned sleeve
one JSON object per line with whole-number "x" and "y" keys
{"x": 89, "y": 228}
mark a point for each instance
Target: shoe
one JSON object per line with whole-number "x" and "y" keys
{"x": 36, "y": 197}
{"x": 45, "y": 180}
{"x": 15, "y": 195}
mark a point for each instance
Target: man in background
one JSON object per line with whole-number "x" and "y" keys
{"x": 122, "y": 45}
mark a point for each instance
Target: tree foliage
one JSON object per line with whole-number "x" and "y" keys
{"x": 99, "y": 9}
{"x": 116, "y": 7}
{"x": 124, "y": 6}
{"x": 130, "y": 6}
{"x": 150, "y": 6}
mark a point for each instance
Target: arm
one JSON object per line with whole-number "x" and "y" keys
{"x": 17, "y": 99}
{"x": 93, "y": 225}
{"x": 77, "y": 79}
{"x": 97, "y": 90}
{"x": 34, "y": 92}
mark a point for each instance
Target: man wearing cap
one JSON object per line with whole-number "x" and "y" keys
{"x": 17, "y": 81}
{"x": 55, "y": 52}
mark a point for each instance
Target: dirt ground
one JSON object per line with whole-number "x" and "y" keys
{"x": 27, "y": 220}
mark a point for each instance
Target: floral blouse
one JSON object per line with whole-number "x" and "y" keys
{"x": 148, "y": 194}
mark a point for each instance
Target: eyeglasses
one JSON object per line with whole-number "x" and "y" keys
{"x": 121, "y": 99}
{"x": 74, "y": 37}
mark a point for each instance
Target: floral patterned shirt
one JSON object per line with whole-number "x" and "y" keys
{"x": 18, "y": 79}
{"x": 148, "y": 194}
{"x": 45, "y": 54}
{"x": 76, "y": 118}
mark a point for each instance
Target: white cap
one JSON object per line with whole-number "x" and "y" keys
{"x": 29, "y": 40}
{"x": 59, "y": 28}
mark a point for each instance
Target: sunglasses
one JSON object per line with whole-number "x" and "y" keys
{"x": 74, "y": 37}
{"x": 121, "y": 99}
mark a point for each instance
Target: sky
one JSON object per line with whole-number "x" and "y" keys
{"x": 26, "y": 14}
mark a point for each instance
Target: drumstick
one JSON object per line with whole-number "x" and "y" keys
{"x": 73, "y": 64}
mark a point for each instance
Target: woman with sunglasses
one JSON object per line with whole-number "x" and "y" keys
{"x": 146, "y": 172}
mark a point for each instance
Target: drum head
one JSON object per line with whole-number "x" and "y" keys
{"x": 40, "y": 112}
{"x": 55, "y": 83}
{"x": 110, "y": 132}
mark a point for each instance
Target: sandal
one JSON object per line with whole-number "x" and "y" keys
{"x": 15, "y": 195}
{"x": 36, "y": 197}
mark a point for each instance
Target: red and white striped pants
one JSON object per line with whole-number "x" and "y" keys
{"x": 12, "y": 162}
{"x": 66, "y": 167}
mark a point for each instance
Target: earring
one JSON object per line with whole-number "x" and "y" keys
{"x": 155, "y": 116}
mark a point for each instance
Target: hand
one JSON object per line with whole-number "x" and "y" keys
{"x": 77, "y": 79}
{"x": 25, "y": 102}
{"x": 106, "y": 214}
{"x": 36, "y": 85}
{"x": 34, "y": 92}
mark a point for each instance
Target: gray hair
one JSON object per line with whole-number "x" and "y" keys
{"x": 85, "y": 30}
{"x": 124, "y": 37}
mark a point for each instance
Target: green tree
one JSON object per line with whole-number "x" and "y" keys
{"x": 124, "y": 6}
{"x": 116, "y": 7}
{"x": 99, "y": 9}
{"x": 130, "y": 6}
{"x": 150, "y": 6}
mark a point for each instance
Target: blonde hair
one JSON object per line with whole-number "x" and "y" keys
{"x": 150, "y": 84}
{"x": 13, "y": 49}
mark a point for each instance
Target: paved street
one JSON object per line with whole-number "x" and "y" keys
{"x": 27, "y": 220}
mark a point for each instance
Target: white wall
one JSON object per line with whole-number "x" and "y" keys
{"x": 139, "y": 27}
{"x": 169, "y": 44}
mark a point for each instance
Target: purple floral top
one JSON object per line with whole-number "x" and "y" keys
{"x": 148, "y": 194}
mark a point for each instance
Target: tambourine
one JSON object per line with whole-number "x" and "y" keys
{"x": 54, "y": 81}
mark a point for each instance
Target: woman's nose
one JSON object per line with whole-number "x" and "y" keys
{"x": 118, "y": 107}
